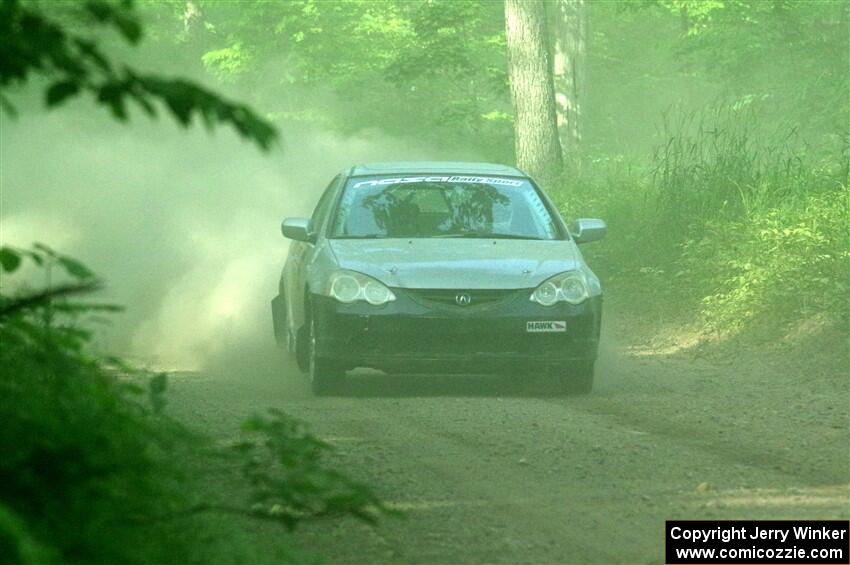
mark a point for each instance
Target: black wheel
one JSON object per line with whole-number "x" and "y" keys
{"x": 578, "y": 378}
{"x": 281, "y": 333}
{"x": 325, "y": 375}
{"x": 299, "y": 343}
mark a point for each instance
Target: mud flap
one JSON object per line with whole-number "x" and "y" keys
{"x": 279, "y": 320}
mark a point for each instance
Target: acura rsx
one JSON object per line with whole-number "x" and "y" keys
{"x": 413, "y": 267}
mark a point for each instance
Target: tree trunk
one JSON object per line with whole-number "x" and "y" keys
{"x": 568, "y": 29}
{"x": 538, "y": 149}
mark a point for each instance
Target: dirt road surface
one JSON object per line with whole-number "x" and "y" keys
{"x": 502, "y": 470}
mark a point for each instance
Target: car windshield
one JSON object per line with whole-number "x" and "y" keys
{"x": 442, "y": 206}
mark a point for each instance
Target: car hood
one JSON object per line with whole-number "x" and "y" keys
{"x": 456, "y": 262}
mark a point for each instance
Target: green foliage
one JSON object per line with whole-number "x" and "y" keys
{"x": 77, "y": 447}
{"x": 9, "y": 260}
{"x": 228, "y": 63}
{"x": 17, "y": 545}
{"x": 794, "y": 53}
{"x": 80, "y": 280}
{"x": 780, "y": 263}
{"x": 717, "y": 163}
{"x": 32, "y": 42}
{"x": 739, "y": 226}
{"x": 433, "y": 71}
{"x": 290, "y": 482}
{"x": 645, "y": 56}
{"x": 88, "y": 461}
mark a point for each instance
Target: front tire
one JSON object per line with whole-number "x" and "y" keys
{"x": 299, "y": 344}
{"x": 325, "y": 375}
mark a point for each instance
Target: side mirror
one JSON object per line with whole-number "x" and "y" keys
{"x": 585, "y": 230}
{"x": 297, "y": 229}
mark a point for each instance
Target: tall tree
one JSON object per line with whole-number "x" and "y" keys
{"x": 538, "y": 149}
{"x": 568, "y": 42}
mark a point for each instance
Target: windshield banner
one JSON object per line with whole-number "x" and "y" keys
{"x": 452, "y": 179}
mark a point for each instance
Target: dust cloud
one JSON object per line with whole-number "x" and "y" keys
{"x": 183, "y": 226}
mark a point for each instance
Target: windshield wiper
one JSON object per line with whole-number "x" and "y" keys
{"x": 484, "y": 235}
{"x": 462, "y": 235}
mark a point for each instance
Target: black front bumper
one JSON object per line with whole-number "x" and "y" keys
{"x": 414, "y": 335}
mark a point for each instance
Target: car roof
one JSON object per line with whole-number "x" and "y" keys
{"x": 449, "y": 167}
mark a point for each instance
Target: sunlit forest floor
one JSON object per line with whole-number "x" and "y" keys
{"x": 501, "y": 469}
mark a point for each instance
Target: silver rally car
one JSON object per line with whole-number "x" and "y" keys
{"x": 415, "y": 267}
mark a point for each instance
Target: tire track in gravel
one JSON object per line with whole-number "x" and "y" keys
{"x": 492, "y": 470}
{"x": 569, "y": 481}
{"x": 753, "y": 416}
{"x": 515, "y": 502}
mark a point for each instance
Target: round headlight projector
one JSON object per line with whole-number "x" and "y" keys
{"x": 350, "y": 286}
{"x": 568, "y": 287}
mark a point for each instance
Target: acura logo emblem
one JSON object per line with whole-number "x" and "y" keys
{"x": 463, "y": 299}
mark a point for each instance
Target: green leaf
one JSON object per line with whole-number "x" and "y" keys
{"x": 129, "y": 28}
{"x": 120, "y": 16}
{"x": 44, "y": 249}
{"x": 100, "y": 10}
{"x": 8, "y": 107}
{"x": 89, "y": 50}
{"x": 75, "y": 268}
{"x": 60, "y": 91}
{"x": 36, "y": 258}
{"x": 112, "y": 94}
{"x": 10, "y": 259}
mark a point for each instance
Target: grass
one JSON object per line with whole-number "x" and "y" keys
{"x": 744, "y": 230}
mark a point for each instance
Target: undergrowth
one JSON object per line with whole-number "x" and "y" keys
{"x": 742, "y": 229}
{"x": 90, "y": 464}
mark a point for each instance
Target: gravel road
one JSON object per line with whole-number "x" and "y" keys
{"x": 502, "y": 470}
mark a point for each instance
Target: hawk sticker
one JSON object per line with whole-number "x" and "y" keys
{"x": 538, "y": 327}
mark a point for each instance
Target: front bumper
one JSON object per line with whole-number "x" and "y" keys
{"x": 412, "y": 334}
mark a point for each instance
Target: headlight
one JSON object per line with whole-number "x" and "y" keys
{"x": 349, "y": 286}
{"x": 568, "y": 287}
{"x": 345, "y": 288}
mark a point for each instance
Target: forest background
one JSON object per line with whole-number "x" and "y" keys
{"x": 712, "y": 136}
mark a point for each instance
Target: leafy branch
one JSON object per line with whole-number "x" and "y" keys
{"x": 289, "y": 480}
{"x": 33, "y": 43}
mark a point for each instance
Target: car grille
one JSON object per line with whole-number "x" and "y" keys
{"x": 449, "y": 297}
